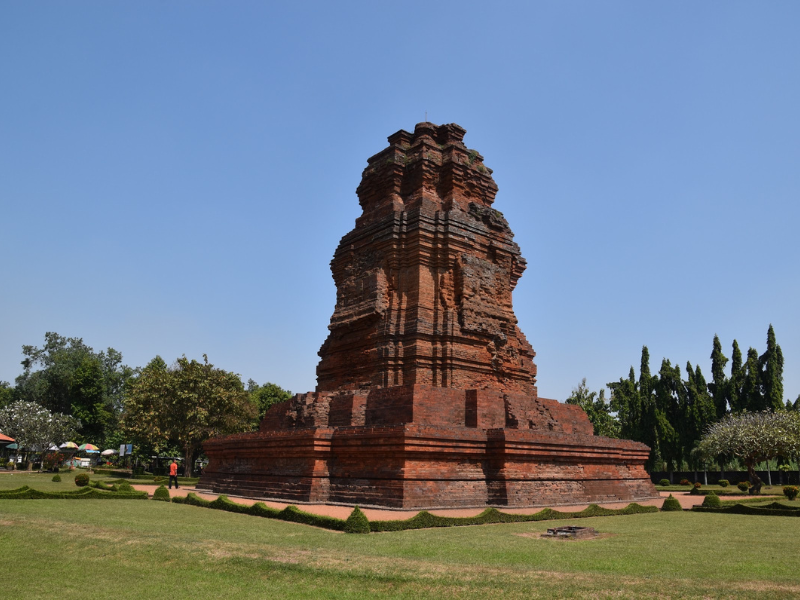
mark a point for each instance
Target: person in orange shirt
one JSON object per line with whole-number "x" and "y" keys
{"x": 173, "y": 474}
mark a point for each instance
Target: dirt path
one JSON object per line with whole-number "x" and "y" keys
{"x": 375, "y": 514}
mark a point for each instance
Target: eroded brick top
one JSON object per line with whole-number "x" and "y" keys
{"x": 424, "y": 281}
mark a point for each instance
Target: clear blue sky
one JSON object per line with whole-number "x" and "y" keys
{"x": 175, "y": 176}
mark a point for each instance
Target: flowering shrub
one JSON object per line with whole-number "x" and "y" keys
{"x": 791, "y": 491}
{"x": 685, "y": 482}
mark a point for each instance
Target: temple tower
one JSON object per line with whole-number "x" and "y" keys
{"x": 424, "y": 281}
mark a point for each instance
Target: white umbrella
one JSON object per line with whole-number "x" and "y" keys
{"x": 108, "y": 452}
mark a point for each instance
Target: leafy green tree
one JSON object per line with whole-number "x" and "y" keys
{"x": 634, "y": 403}
{"x": 752, "y": 400}
{"x": 735, "y": 398}
{"x": 669, "y": 398}
{"x": 189, "y": 402}
{"x": 753, "y": 437}
{"x": 771, "y": 370}
{"x": 67, "y": 376}
{"x": 719, "y": 382}
{"x": 699, "y": 413}
{"x": 6, "y": 394}
{"x": 34, "y": 427}
{"x": 265, "y": 396}
{"x": 89, "y": 403}
{"x": 596, "y": 408}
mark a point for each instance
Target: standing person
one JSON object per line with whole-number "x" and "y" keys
{"x": 173, "y": 474}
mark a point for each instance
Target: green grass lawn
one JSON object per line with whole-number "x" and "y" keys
{"x": 141, "y": 548}
{"x": 45, "y": 483}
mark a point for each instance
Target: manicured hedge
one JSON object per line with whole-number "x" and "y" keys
{"x": 259, "y": 509}
{"x": 425, "y": 519}
{"x": 27, "y": 493}
{"x": 775, "y": 509}
{"x": 102, "y": 486}
{"x": 422, "y": 520}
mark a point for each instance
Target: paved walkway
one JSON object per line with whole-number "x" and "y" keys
{"x": 375, "y": 514}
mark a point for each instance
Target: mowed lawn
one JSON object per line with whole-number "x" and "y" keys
{"x": 143, "y": 548}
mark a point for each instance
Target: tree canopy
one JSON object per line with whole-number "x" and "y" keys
{"x": 186, "y": 403}
{"x": 265, "y": 396}
{"x": 753, "y": 437}
{"x": 596, "y": 408}
{"x": 34, "y": 427}
{"x": 68, "y": 377}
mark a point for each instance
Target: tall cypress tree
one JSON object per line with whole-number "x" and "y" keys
{"x": 734, "y": 388}
{"x": 635, "y": 407}
{"x": 752, "y": 399}
{"x": 718, "y": 386}
{"x": 668, "y": 391}
{"x": 771, "y": 371}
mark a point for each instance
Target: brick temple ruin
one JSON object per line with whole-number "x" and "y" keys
{"x": 426, "y": 392}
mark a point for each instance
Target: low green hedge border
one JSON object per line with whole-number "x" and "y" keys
{"x": 259, "y": 509}
{"x": 774, "y": 509}
{"x": 88, "y": 492}
{"x": 422, "y": 520}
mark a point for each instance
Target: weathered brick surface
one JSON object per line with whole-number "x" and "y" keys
{"x": 426, "y": 391}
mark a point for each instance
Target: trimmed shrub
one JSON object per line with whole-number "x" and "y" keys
{"x": 124, "y": 486}
{"x": 357, "y": 522}
{"x": 743, "y": 485}
{"x": 712, "y": 501}
{"x": 685, "y": 482}
{"x": 81, "y": 480}
{"x": 159, "y": 479}
{"x": 57, "y": 478}
{"x": 791, "y": 491}
{"x": 664, "y": 482}
{"x": 723, "y": 483}
{"x": 774, "y": 509}
{"x": 161, "y": 493}
{"x": 26, "y": 493}
{"x": 671, "y": 503}
{"x": 422, "y": 520}
{"x": 10, "y": 466}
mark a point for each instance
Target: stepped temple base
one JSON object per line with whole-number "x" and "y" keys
{"x": 415, "y": 466}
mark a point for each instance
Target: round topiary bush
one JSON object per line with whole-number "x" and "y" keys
{"x": 723, "y": 483}
{"x": 664, "y": 482}
{"x": 671, "y": 503}
{"x": 712, "y": 501}
{"x": 685, "y": 482}
{"x": 57, "y": 478}
{"x": 791, "y": 491}
{"x": 743, "y": 485}
{"x": 81, "y": 480}
{"x": 124, "y": 486}
{"x": 357, "y": 522}
{"x": 161, "y": 493}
